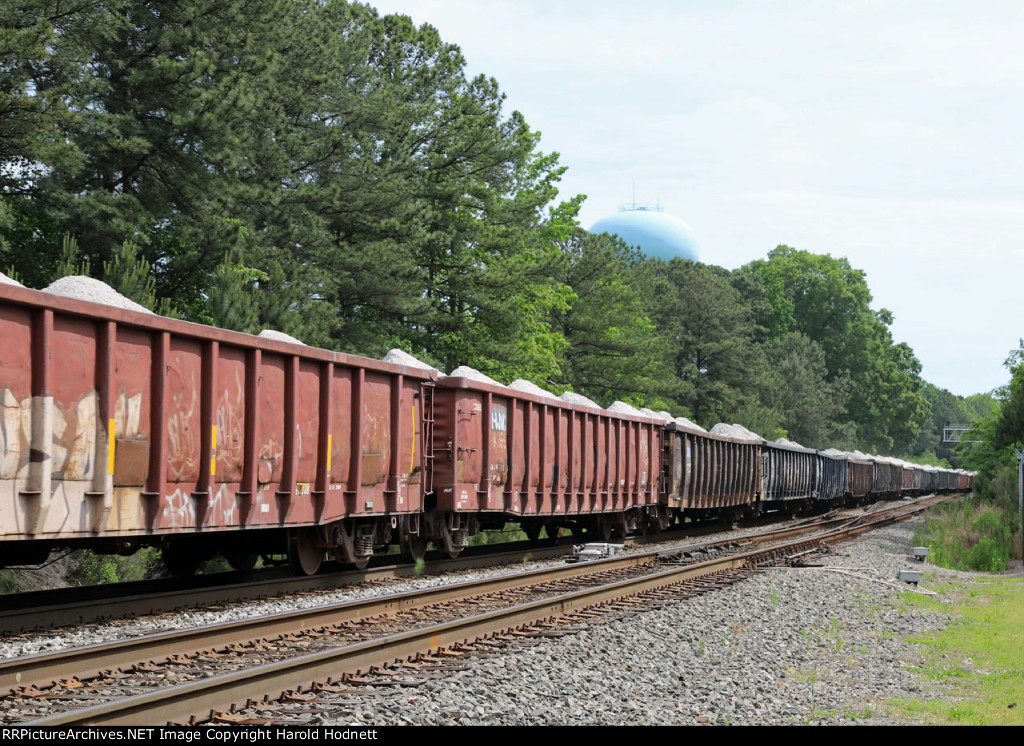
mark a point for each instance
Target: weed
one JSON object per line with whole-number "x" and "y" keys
{"x": 973, "y": 533}
{"x": 866, "y": 714}
{"x": 419, "y": 567}
{"x": 773, "y": 598}
{"x": 958, "y": 714}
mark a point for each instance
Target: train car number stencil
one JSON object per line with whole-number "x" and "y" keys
{"x": 499, "y": 419}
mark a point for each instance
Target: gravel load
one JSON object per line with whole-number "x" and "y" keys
{"x": 683, "y": 422}
{"x": 281, "y": 337}
{"x": 792, "y": 443}
{"x": 529, "y": 387}
{"x": 734, "y": 431}
{"x": 5, "y": 280}
{"x": 464, "y": 371}
{"x": 836, "y": 453}
{"x": 620, "y": 407}
{"x": 401, "y": 357}
{"x": 664, "y": 416}
{"x": 574, "y": 398}
{"x": 94, "y": 291}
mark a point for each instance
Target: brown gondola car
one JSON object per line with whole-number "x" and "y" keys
{"x": 907, "y": 473}
{"x": 499, "y": 453}
{"x": 861, "y": 478}
{"x": 124, "y": 429}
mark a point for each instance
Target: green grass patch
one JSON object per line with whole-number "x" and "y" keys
{"x": 510, "y": 532}
{"x": 979, "y": 661}
{"x": 971, "y": 534}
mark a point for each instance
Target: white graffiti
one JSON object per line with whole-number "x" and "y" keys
{"x": 179, "y": 509}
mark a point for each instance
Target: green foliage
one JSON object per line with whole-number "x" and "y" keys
{"x": 947, "y": 408}
{"x": 87, "y": 568}
{"x": 509, "y": 532}
{"x": 971, "y": 534}
{"x": 829, "y": 301}
{"x": 1008, "y": 432}
{"x": 706, "y": 333}
{"x": 233, "y": 296}
{"x": 929, "y": 458}
{"x": 988, "y": 555}
{"x": 71, "y": 263}
{"x": 611, "y": 351}
{"x": 129, "y": 275}
{"x": 810, "y": 407}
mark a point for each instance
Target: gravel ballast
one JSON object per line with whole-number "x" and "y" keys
{"x": 788, "y": 646}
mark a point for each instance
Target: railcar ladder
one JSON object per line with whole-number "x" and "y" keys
{"x": 427, "y": 392}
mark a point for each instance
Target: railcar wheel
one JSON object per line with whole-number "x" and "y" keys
{"x": 643, "y": 525}
{"x": 604, "y": 528}
{"x": 413, "y": 548}
{"x": 304, "y": 556}
{"x": 532, "y": 530}
{"x": 180, "y": 559}
{"x": 243, "y": 561}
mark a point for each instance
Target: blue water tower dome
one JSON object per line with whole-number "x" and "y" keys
{"x": 657, "y": 235}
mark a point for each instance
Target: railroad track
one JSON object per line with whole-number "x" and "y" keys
{"x": 217, "y": 672}
{"x": 50, "y": 609}
{"x": 62, "y": 607}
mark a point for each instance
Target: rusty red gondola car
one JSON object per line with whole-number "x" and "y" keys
{"x": 122, "y": 429}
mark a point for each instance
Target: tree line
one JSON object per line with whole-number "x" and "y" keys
{"x": 314, "y": 167}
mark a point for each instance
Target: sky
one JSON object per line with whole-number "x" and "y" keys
{"x": 884, "y": 132}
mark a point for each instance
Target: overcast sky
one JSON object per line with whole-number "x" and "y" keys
{"x": 885, "y": 132}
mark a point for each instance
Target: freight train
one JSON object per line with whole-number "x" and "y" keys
{"x": 122, "y": 429}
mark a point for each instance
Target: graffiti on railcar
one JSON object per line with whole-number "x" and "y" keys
{"x": 269, "y": 460}
{"x": 75, "y": 432}
{"x": 180, "y": 509}
{"x": 15, "y": 432}
{"x": 183, "y": 439}
{"x": 128, "y": 415}
{"x": 645, "y": 458}
{"x": 74, "y": 439}
{"x": 231, "y": 432}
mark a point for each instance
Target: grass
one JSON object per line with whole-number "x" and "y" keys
{"x": 977, "y": 661}
{"x": 971, "y": 534}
